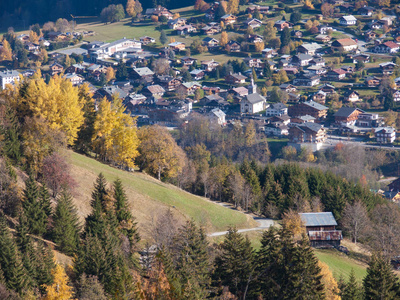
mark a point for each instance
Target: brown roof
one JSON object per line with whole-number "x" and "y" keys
{"x": 391, "y": 45}
{"x": 346, "y": 42}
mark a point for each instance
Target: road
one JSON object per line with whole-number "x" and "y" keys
{"x": 263, "y": 223}
{"x": 332, "y": 140}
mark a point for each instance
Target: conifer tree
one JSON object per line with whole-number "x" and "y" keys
{"x": 11, "y": 132}
{"x": 66, "y": 224}
{"x": 163, "y": 37}
{"x": 380, "y": 282}
{"x": 34, "y": 208}
{"x": 351, "y": 289}
{"x": 234, "y": 267}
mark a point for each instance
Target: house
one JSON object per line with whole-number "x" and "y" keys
{"x": 352, "y": 96}
{"x": 186, "y": 29}
{"x": 319, "y": 97}
{"x": 211, "y": 29}
{"x": 309, "y": 135}
{"x": 348, "y": 20}
{"x": 169, "y": 83}
{"x": 387, "y": 47}
{"x": 188, "y": 88}
{"x": 385, "y": 135}
{"x": 291, "y": 71}
{"x": 296, "y": 34}
{"x": 142, "y": 73}
{"x": 109, "y": 91}
{"x": 75, "y": 68}
{"x": 255, "y": 38}
{"x": 197, "y": 74}
{"x": 344, "y": 45}
{"x": 228, "y": 19}
{"x": 336, "y": 74}
{"x": 261, "y": 9}
{"x": 387, "y": 68}
{"x": 155, "y": 91}
{"x": 317, "y": 61}
{"x": 301, "y": 120}
{"x": 174, "y": 24}
{"x": 321, "y": 229}
{"x": 235, "y": 78}
{"x": 253, "y": 23}
{"x": 268, "y": 53}
{"x": 311, "y": 108}
{"x": 240, "y": 91}
{"x": 159, "y": 11}
{"x": 323, "y": 38}
{"x": 396, "y": 95}
{"x": 233, "y": 46}
{"x": 323, "y": 29}
{"x": 56, "y": 68}
{"x": 307, "y": 79}
{"x": 369, "y": 120}
{"x": 105, "y": 50}
{"x": 209, "y": 65}
{"x": 210, "y": 42}
{"x": 366, "y": 11}
{"x": 8, "y": 77}
{"x": 372, "y": 81}
{"x": 188, "y": 61}
{"x": 276, "y": 129}
{"x": 365, "y": 58}
{"x": 347, "y": 116}
{"x": 301, "y": 59}
{"x": 288, "y": 88}
{"x": 369, "y": 35}
{"x": 74, "y": 78}
{"x": 328, "y": 88}
{"x": 254, "y": 102}
{"x": 145, "y": 40}
{"x": 318, "y": 70}
{"x": 276, "y": 109}
{"x": 254, "y": 62}
{"x": 309, "y": 48}
{"x": 177, "y": 46}
{"x": 282, "y": 24}
{"x": 345, "y": 7}
{"x": 217, "y": 116}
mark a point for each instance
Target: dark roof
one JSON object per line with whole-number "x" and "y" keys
{"x": 255, "y": 98}
{"x": 316, "y": 105}
{"x": 345, "y": 111}
{"x": 318, "y": 219}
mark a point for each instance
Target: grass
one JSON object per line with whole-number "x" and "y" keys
{"x": 341, "y": 265}
{"x": 149, "y": 198}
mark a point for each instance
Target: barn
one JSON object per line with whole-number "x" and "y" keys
{"x": 321, "y": 229}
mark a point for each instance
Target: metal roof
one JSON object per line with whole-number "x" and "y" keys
{"x": 318, "y": 219}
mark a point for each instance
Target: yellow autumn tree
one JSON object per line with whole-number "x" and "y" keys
{"x": 33, "y": 37}
{"x": 115, "y": 133}
{"x": 259, "y": 46}
{"x": 5, "y": 51}
{"x": 224, "y": 39}
{"x": 330, "y": 284}
{"x": 308, "y": 4}
{"x": 130, "y": 8}
{"x": 59, "y": 290}
{"x": 176, "y": 16}
{"x": 110, "y": 73}
{"x": 232, "y": 7}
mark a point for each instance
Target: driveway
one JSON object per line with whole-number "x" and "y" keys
{"x": 263, "y": 223}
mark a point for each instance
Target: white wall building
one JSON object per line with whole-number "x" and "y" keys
{"x": 8, "y": 77}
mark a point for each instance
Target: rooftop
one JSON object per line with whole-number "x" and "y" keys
{"x": 318, "y": 219}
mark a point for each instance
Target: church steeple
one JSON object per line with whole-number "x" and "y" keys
{"x": 252, "y": 87}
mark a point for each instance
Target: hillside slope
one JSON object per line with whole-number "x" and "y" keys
{"x": 149, "y": 198}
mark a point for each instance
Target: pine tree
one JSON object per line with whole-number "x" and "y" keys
{"x": 33, "y": 209}
{"x": 45, "y": 204}
{"x": 380, "y": 282}
{"x": 122, "y": 71}
{"x": 267, "y": 70}
{"x": 234, "y": 266}
{"x": 285, "y": 37}
{"x": 163, "y": 37}
{"x": 11, "y": 136}
{"x": 66, "y": 227}
{"x": 351, "y": 289}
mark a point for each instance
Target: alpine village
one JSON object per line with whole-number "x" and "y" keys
{"x": 169, "y": 150}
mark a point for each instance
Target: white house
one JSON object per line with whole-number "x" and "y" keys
{"x": 217, "y": 115}
{"x": 348, "y": 20}
{"x": 110, "y": 49}
{"x": 252, "y": 104}
{"x": 385, "y": 135}
{"x": 276, "y": 109}
{"x": 8, "y": 77}
{"x": 74, "y": 78}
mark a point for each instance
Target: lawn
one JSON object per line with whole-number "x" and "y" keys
{"x": 340, "y": 264}
{"x": 149, "y": 197}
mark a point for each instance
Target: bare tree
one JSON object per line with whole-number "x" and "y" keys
{"x": 161, "y": 66}
{"x": 236, "y": 183}
{"x": 164, "y": 229}
{"x": 355, "y": 220}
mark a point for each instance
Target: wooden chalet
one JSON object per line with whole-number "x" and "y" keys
{"x": 235, "y": 78}
{"x": 347, "y": 116}
{"x": 311, "y": 108}
{"x": 56, "y": 68}
{"x": 233, "y": 46}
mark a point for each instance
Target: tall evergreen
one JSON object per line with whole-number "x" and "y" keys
{"x": 33, "y": 208}
{"x": 285, "y": 37}
{"x": 66, "y": 227}
{"x": 380, "y": 282}
{"x": 11, "y": 133}
{"x": 234, "y": 266}
{"x": 351, "y": 289}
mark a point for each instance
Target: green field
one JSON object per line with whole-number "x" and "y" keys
{"x": 340, "y": 264}
{"x": 149, "y": 196}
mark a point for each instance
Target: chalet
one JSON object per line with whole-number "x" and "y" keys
{"x": 177, "y": 46}
{"x": 323, "y": 38}
{"x": 311, "y": 108}
{"x": 211, "y": 29}
{"x": 106, "y": 50}
{"x": 317, "y": 70}
{"x": 372, "y": 81}
{"x": 387, "y": 68}
{"x": 189, "y": 87}
{"x": 293, "y": 97}
{"x": 385, "y": 135}
{"x": 370, "y": 35}
{"x": 387, "y": 47}
{"x": 8, "y": 77}
{"x": 291, "y": 70}
{"x": 336, "y": 74}
{"x": 276, "y": 109}
{"x": 210, "y": 42}
{"x": 309, "y": 49}
{"x": 345, "y": 45}
{"x": 174, "y": 24}
{"x": 75, "y": 68}
{"x": 169, "y": 83}
{"x": 366, "y": 11}
{"x": 319, "y": 97}
{"x": 282, "y": 24}
{"x": 261, "y": 9}
{"x": 74, "y": 78}
{"x": 159, "y": 11}
{"x": 345, "y": 7}
{"x": 197, "y": 74}
{"x": 317, "y": 61}
{"x": 186, "y": 29}
{"x": 233, "y": 46}
{"x": 305, "y": 79}
{"x": 228, "y": 19}
{"x": 301, "y": 120}
{"x": 253, "y": 23}
{"x": 254, "y": 62}
{"x": 276, "y": 129}
{"x": 321, "y": 229}
{"x": 328, "y": 88}
{"x": 268, "y": 53}
{"x": 209, "y": 65}
{"x": 396, "y": 95}
{"x": 369, "y": 120}
{"x": 240, "y": 91}
{"x": 352, "y": 96}
{"x": 31, "y": 46}
{"x": 188, "y": 61}
{"x": 310, "y": 135}
{"x": 109, "y": 91}
{"x": 218, "y": 116}
{"x": 323, "y": 29}
{"x": 365, "y": 58}
{"x": 348, "y": 20}
{"x": 302, "y": 59}
{"x": 255, "y": 38}
{"x": 145, "y": 40}
{"x": 288, "y": 88}
{"x": 155, "y": 91}
{"x": 56, "y": 68}
{"x": 140, "y": 73}
{"x": 347, "y": 116}
{"x": 296, "y": 34}
{"x": 235, "y": 78}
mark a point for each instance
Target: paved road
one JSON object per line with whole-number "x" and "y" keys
{"x": 263, "y": 223}
{"x": 332, "y": 140}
